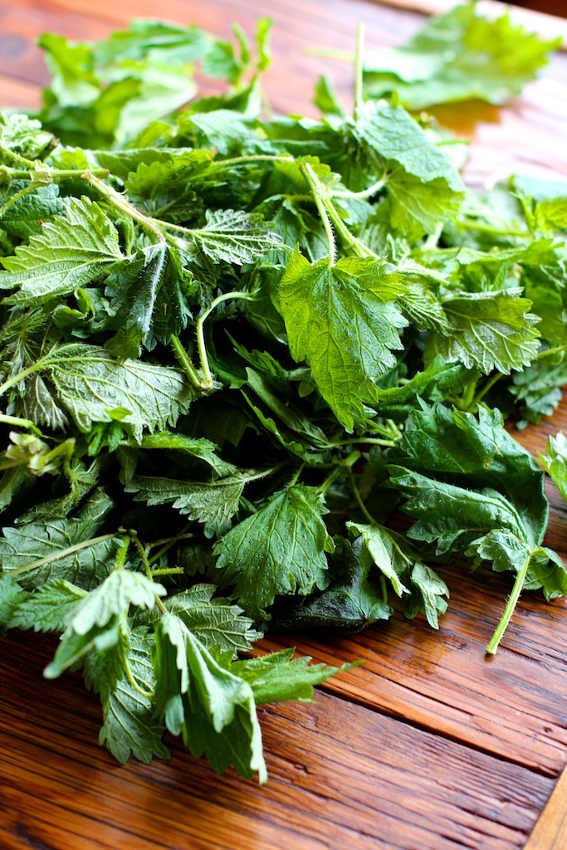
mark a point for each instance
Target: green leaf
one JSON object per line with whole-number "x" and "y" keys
{"x": 47, "y": 609}
{"x": 129, "y": 727}
{"x": 212, "y": 503}
{"x": 459, "y": 56}
{"x": 279, "y": 549}
{"x": 197, "y": 447}
{"x": 12, "y": 597}
{"x": 554, "y": 461}
{"x": 72, "y": 250}
{"x": 464, "y": 473}
{"x": 488, "y": 330}
{"x": 232, "y": 236}
{"x": 385, "y": 550}
{"x": 213, "y": 709}
{"x": 350, "y": 602}
{"x": 22, "y": 136}
{"x": 215, "y": 622}
{"x": 26, "y": 216}
{"x": 93, "y": 386}
{"x": 421, "y": 183}
{"x": 337, "y": 320}
{"x": 279, "y": 676}
{"x": 47, "y": 543}
{"x": 97, "y": 621}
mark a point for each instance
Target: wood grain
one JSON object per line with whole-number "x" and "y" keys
{"x": 426, "y": 746}
{"x": 341, "y": 776}
{"x": 550, "y": 832}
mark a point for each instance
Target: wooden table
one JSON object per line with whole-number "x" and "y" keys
{"x": 427, "y": 745}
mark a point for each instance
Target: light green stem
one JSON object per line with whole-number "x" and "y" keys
{"x": 185, "y": 362}
{"x": 315, "y": 187}
{"x": 359, "y": 501}
{"x": 146, "y": 564}
{"x": 120, "y": 203}
{"x": 365, "y": 193}
{"x": 492, "y": 646}
{"x": 208, "y": 382}
{"x": 20, "y": 423}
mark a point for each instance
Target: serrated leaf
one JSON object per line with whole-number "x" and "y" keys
{"x": 213, "y": 709}
{"x": 338, "y": 322}
{"x": 97, "y": 621}
{"x": 47, "y": 542}
{"x": 212, "y": 503}
{"x": 214, "y": 621}
{"x": 279, "y": 549}
{"x": 488, "y": 330}
{"x": 92, "y": 386}
{"x": 232, "y": 236}
{"x": 279, "y": 676}
{"x": 47, "y": 609}
{"x": 71, "y": 250}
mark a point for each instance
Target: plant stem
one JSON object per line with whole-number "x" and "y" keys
{"x": 21, "y": 376}
{"x": 47, "y": 175}
{"x": 63, "y": 553}
{"x": 146, "y": 564}
{"x": 207, "y": 383}
{"x": 357, "y": 246}
{"x": 132, "y": 680}
{"x": 20, "y": 423}
{"x": 315, "y": 187}
{"x": 486, "y": 388}
{"x": 169, "y": 571}
{"x": 359, "y": 501}
{"x": 259, "y": 157}
{"x": 549, "y": 352}
{"x": 347, "y": 463}
{"x": 296, "y": 475}
{"x": 358, "y": 95}
{"x": 365, "y": 193}
{"x": 492, "y": 646}
{"x": 372, "y": 441}
{"x": 482, "y": 227}
{"x": 119, "y": 202}
{"x": 185, "y": 362}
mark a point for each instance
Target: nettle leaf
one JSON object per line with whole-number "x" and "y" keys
{"x": 22, "y": 136}
{"x": 215, "y": 622}
{"x": 232, "y": 236}
{"x": 26, "y": 215}
{"x": 212, "y": 708}
{"x": 422, "y": 185}
{"x": 488, "y": 330}
{"x": 12, "y": 596}
{"x": 401, "y": 565}
{"x": 55, "y": 546}
{"x": 279, "y": 676}
{"x": 339, "y": 322}
{"x": 458, "y": 56}
{"x": 277, "y": 550}
{"x": 71, "y": 251}
{"x": 130, "y": 726}
{"x": 537, "y": 390}
{"x": 97, "y": 621}
{"x": 554, "y": 462}
{"x": 350, "y": 603}
{"x": 93, "y": 387}
{"x": 149, "y": 297}
{"x": 197, "y": 447}
{"x": 212, "y": 503}
{"x": 47, "y": 609}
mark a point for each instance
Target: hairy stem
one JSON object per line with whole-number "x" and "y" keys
{"x": 315, "y": 187}
{"x": 120, "y": 203}
{"x": 185, "y": 362}
{"x": 492, "y": 646}
{"x": 208, "y": 382}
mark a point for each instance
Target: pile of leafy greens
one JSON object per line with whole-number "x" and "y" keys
{"x": 231, "y": 348}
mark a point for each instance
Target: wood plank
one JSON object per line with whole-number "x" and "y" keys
{"x": 340, "y": 776}
{"x": 550, "y": 832}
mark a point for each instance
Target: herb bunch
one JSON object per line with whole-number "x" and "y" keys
{"x": 231, "y": 347}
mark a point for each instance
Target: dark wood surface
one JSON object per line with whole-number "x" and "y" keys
{"x": 427, "y": 746}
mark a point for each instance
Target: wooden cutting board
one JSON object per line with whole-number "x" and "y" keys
{"x": 427, "y": 746}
